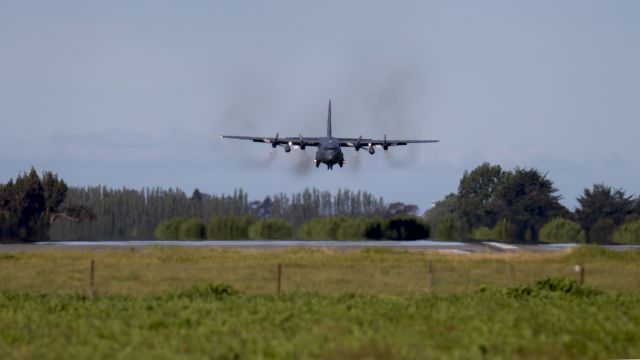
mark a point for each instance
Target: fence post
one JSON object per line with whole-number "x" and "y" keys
{"x": 430, "y": 266}
{"x": 92, "y": 292}
{"x": 279, "y": 278}
{"x": 580, "y": 270}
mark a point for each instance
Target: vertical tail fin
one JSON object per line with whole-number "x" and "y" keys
{"x": 329, "y": 120}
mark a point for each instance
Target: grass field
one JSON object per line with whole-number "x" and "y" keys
{"x": 370, "y": 303}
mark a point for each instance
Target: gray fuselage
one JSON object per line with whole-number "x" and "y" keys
{"x": 329, "y": 152}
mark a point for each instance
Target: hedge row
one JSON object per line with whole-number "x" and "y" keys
{"x": 557, "y": 230}
{"x": 346, "y": 228}
{"x": 327, "y": 228}
{"x": 223, "y": 228}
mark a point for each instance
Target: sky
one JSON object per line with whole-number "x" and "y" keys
{"x": 137, "y": 93}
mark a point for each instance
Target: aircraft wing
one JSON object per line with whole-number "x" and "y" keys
{"x": 301, "y": 140}
{"x": 353, "y": 142}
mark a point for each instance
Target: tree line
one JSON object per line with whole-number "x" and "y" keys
{"x": 321, "y": 228}
{"x": 491, "y": 203}
{"x": 523, "y": 205}
{"x": 124, "y": 214}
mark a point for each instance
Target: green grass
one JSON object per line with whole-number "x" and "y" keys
{"x": 160, "y": 303}
{"x": 370, "y": 270}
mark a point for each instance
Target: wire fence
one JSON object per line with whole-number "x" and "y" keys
{"x": 436, "y": 277}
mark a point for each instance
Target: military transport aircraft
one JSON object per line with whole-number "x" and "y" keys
{"x": 329, "y": 148}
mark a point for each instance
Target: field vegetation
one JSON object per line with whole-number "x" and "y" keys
{"x": 164, "y": 302}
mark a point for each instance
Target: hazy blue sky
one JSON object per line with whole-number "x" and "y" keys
{"x": 137, "y": 93}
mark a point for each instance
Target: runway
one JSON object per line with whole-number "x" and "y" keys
{"x": 441, "y": 246}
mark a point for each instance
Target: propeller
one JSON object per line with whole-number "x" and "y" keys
{"x": 385, "y": 146}
{"x": 302, "y": 143}
{"x": 358, "y": 143}
{"x": 274, "y": 144}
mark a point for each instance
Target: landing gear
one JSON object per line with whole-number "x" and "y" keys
{"x": 341, "y": 163}
{"x": 317, "y": 164}
{"x": 329, "y": 167}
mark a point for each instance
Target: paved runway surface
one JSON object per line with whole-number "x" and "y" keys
{"x": 442, "y": 246}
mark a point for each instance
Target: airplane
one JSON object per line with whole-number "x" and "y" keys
{"x": 329, "y": 148}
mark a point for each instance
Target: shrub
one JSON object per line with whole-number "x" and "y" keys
{"x": 270, "y": 229}
{"x": 562, "y": 230}
{"x": 552, "y": 286}
{"x": 192, "y": 229}
{"x": 324, "y": 228}
{"x": 482, "y": 233}
{"x": 204, "y": 292}
{"x": 373, "y": 230}
{"x": 355, "y": 229}
{"x": 169, "y": 229}
{"x": 229, "y": 228}
{"x": 446, "y": 229}
{"x": 503, "y": 231}
{"x": 628, "y": 233}
{"x": 405, "y": 228}
{"x": 602, "y": 230}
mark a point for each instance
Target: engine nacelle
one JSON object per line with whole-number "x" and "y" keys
{"x": 287, "y": 148}
{"x": 372, "y": 150}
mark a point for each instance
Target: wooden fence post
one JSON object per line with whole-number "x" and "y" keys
{"x": 279, "y": 278}
{"x": 92, "y": 271}
{"x": 580, "y": 270}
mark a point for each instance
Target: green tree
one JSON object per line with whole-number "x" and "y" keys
{"x": 603, "y": 202}
{"x": 270, "y": 229}
{"x": 562, "y": 230}
{"x": 476, "y": 192}
{"x": 55, "y": 191}
{"x": 23, "y": 206}
{"x": 441, "y": 209}
{"x": 528, "y": 199}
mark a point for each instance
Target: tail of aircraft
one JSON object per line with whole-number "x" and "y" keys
{"x": 329, "y": 120}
